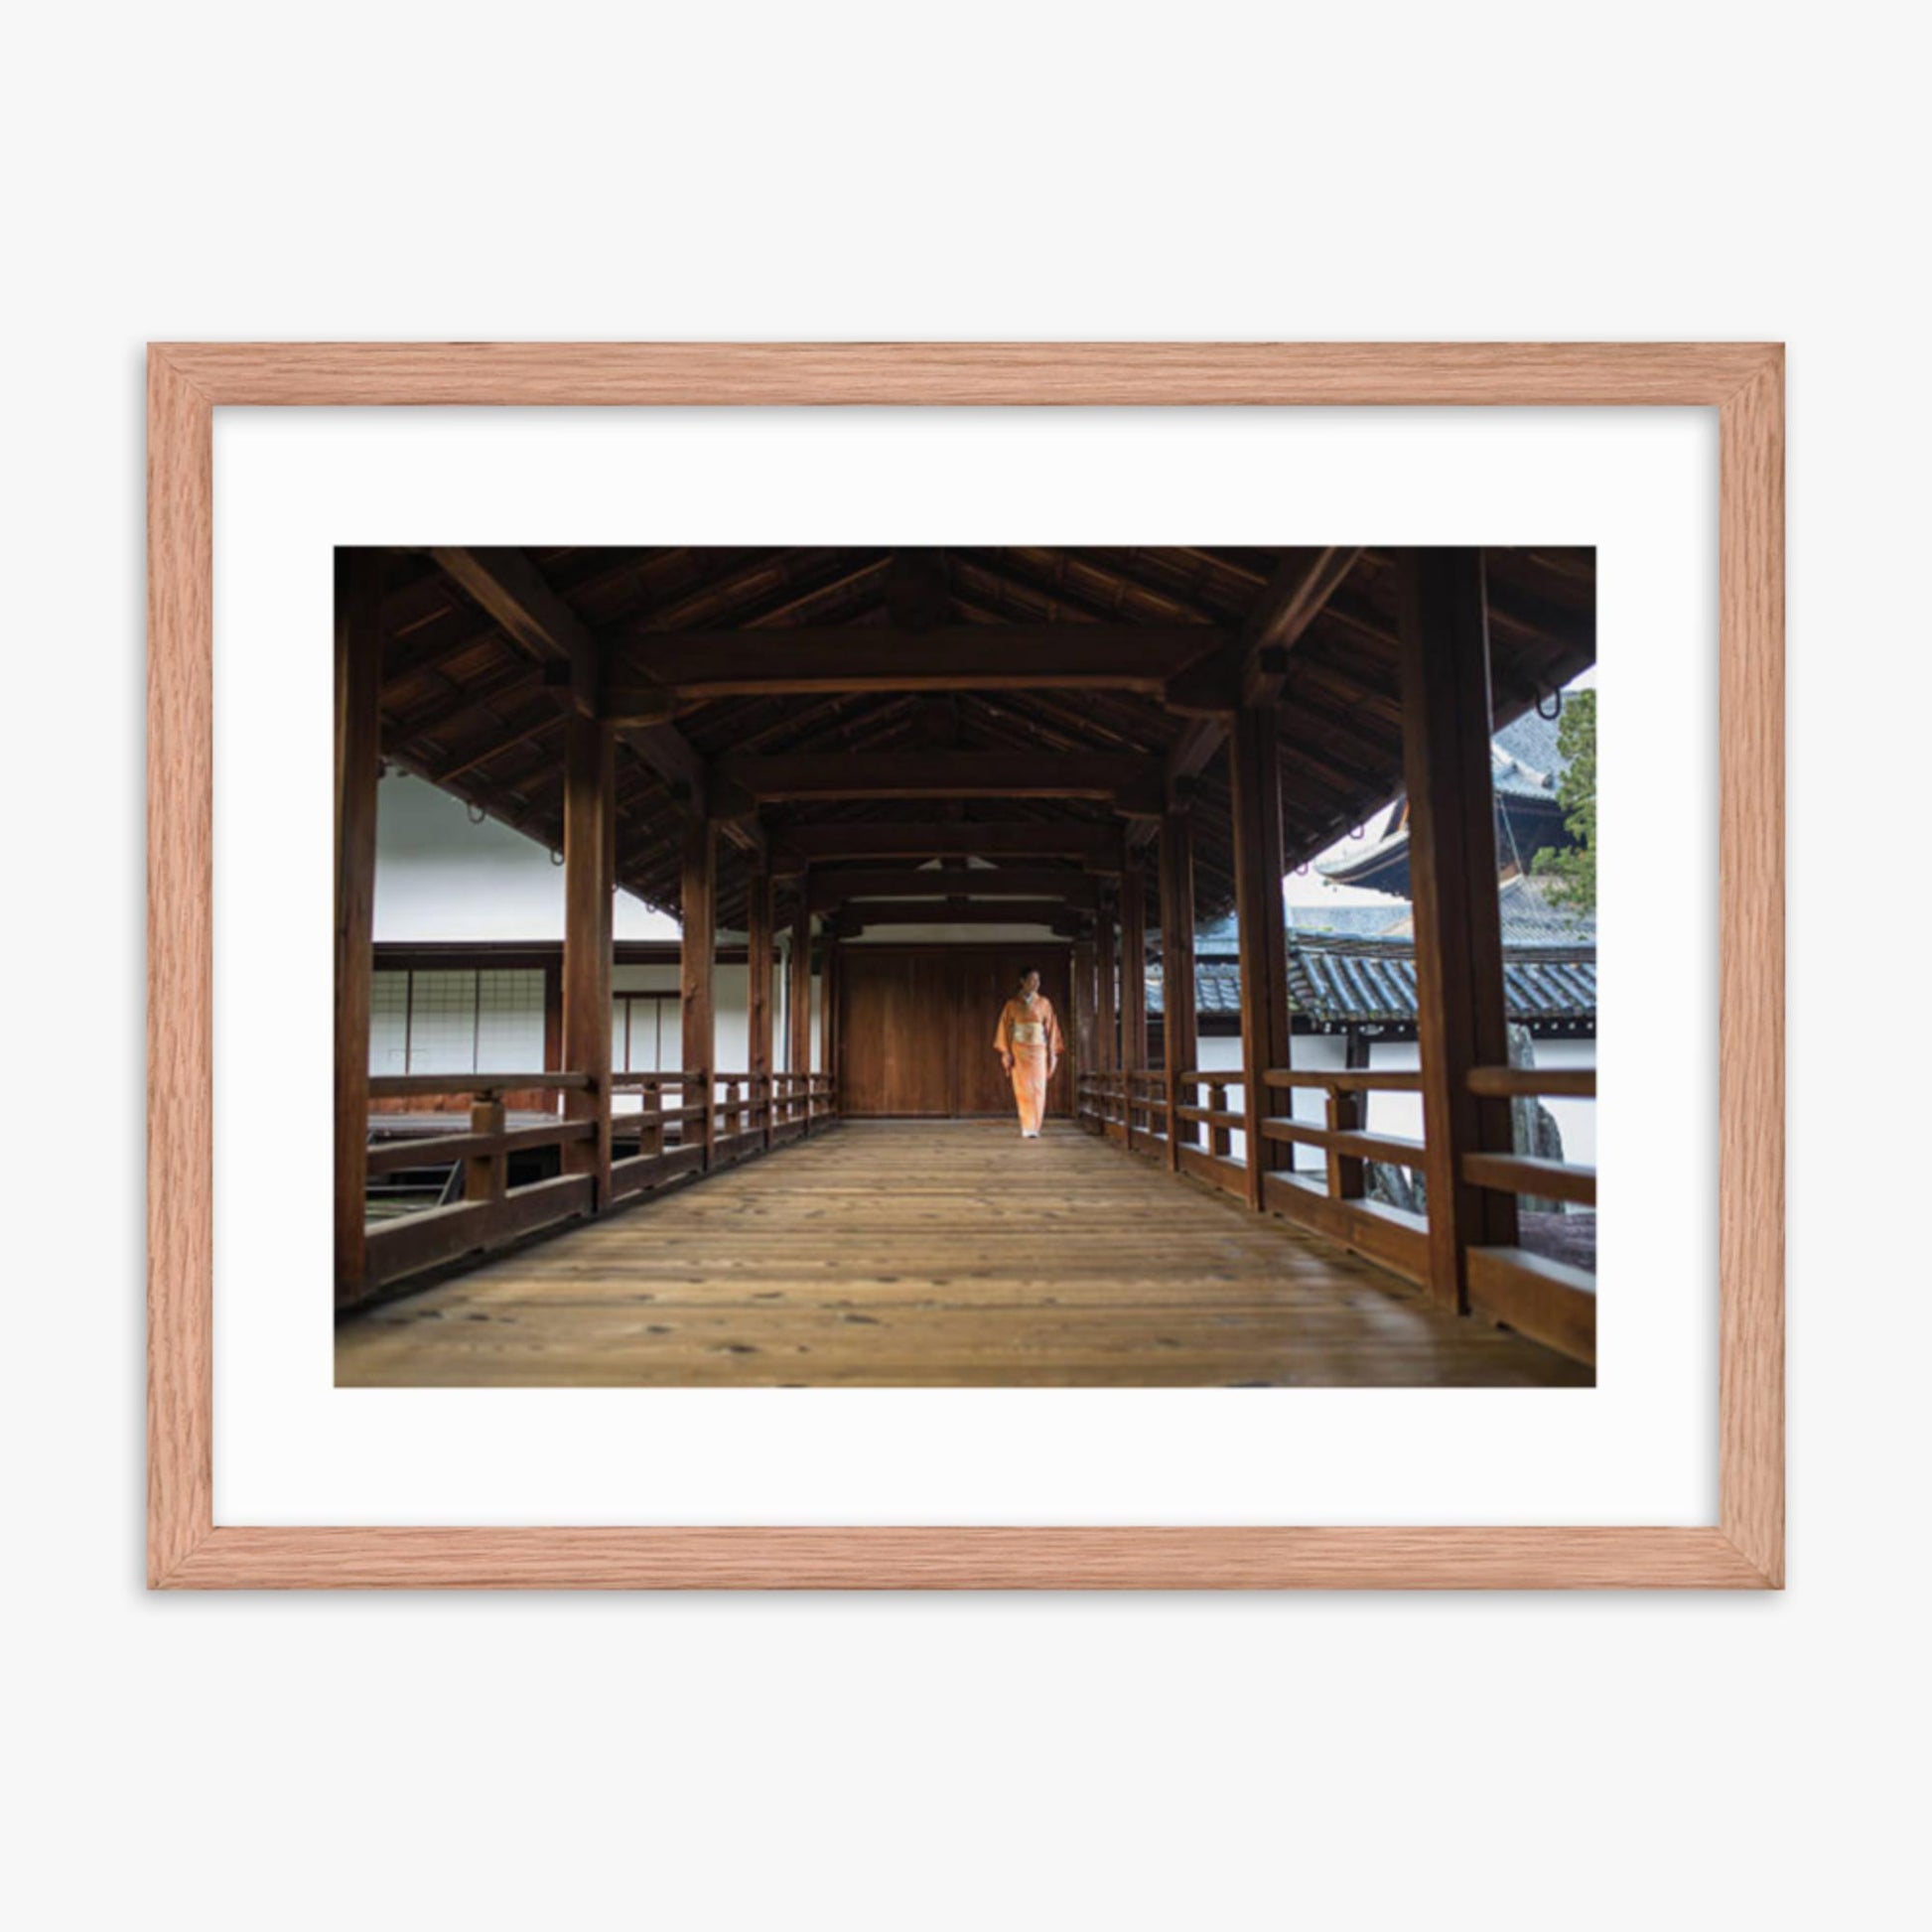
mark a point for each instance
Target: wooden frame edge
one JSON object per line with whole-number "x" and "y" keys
{"x": 1003, "y": 1559}
{"x": 181, "y": 1145}
{"x": 1750, "y": 1004}
{"x": 1743, "y": 381}
{"x": 968, "y": 374}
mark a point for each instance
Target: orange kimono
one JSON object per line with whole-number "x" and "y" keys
{"x": 1028, "y": 1038}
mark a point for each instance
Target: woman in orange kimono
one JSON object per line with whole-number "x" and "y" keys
{"x": 1028, "y": 1042}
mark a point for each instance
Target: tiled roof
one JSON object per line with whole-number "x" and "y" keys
{"x": 1524, "y": 760}
{"x": 1343, "y": 980}
{"x": 1338, "y": 980}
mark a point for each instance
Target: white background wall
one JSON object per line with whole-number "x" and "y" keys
{"x": 1481, "y": 171}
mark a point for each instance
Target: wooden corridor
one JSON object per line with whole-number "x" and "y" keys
{"x": 924, "y": 1253}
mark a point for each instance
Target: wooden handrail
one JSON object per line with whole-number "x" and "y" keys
{"x": 432, "y": 1150}
{"x": 1510, "y": 1082}
{"x": 1396, "y": 1149}
{"x": 1347, "y": 1079}
{"x": 1525, "y": 1173}
{"x": 404, "y": 1086}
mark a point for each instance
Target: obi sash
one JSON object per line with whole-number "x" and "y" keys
{"x": 1027, "y": 1033}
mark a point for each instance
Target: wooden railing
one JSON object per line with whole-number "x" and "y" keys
{"x": 1130, "y": 1107}
{"x": 673, "y": 1141}
{"x": 1551, "y": 1300}
{"x": 686, "y": 1123}
{"x": 492, "y": 1213}
{"x": 800, "y": 1102}
{"x": 1335, "y": 1203}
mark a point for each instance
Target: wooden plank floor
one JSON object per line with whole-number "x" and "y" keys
{"x": 947, "y": 1253}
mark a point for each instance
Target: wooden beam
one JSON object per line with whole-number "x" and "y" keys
{"x": 1460, "y": 1011}
{"x": 1180, "y": 1026}
{"x": 936, "y": 774}
{"x": 508, "y": 584}
{"x": 510, "y": 588}
{"x": 757, "y": 952}
{"x": 856, "y": 914}
{"x": 832, "y": 889}
{"x": 697, "y": 954}
{"x": 691, "y": 667}
{"x": 1133, "y": 969}
{"x": 798, "y": 1002}
{"x": 1254, "y": 665}
{"x": 358, "y": 727}
{"x": 590, "y": 883}
{"x": 1293, "y": 598}
{"x": 1098, "y": 847}
{"x": 1255, "y": 771}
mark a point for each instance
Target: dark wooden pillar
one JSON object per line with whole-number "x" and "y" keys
{"x": 1179, "y": 1029}
{"x": 757, "y": 1001}
{"x": 1133, "y": 969}
{"x": 697, "y": 954}
{"x": 1106, "y": 1019}
{"x": 1082, "y": 1035}
{"x": 359, "y": 745}
{"x": 799, "y": 996}
{"x": 553, "y": 1017}
{"x": 1255, "y": 769}
{"x": 1459, "y": 1010}
{"x": 829, "y": 1016}
{"x": 590, "y": 883}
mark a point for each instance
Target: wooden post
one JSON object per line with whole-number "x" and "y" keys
{"x": 1106, "y": 1019}
{"x": 1133, "y": 969}
{"x": 697, "y": 952}
{"x": 1083, "y": 1025}
{"x": 1179, "y": 1027}
{"x": 757, "y": 942}
{"x": 1347, "y": 1176}
{"x": 1255, "y": 769}
{"x": 829, "y": 1021}
{"x": 359, "y": 741}
{"x": 553, "y": 1017}
{"x": 486, "y": 1177}
{"x": 590, "y": 883}
{"x": 1459, "y": 1009}
{"x": 799, "y": 997}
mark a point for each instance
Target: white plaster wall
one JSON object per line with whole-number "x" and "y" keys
{"x": 439, "y": 877}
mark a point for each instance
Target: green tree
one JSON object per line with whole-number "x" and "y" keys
{"x": 1573, "y": 868}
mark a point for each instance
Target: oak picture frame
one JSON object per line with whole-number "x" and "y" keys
{"x": 1743, "y": 383}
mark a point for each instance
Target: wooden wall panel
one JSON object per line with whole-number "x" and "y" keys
{"x": 897, "y": 1033}
{"x": 915, "y": 1027}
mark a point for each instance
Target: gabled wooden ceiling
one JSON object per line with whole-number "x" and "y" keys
{"x": 470, "y": 697}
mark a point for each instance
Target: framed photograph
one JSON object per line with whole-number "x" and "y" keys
{"x": 982, "y": 966}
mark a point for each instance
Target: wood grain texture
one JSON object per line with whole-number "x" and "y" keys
{"x": 185, "y": 380}
{"x": 181, "y": 1120}
{"x": 935, "y": 1254}
{"x": 1751, "y": 1004}
{"x": 1110, "y": 374}
{"x": 967, "y": 1558}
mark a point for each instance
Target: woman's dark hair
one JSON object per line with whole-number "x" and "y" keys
{"x": 1029, "y": 972}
